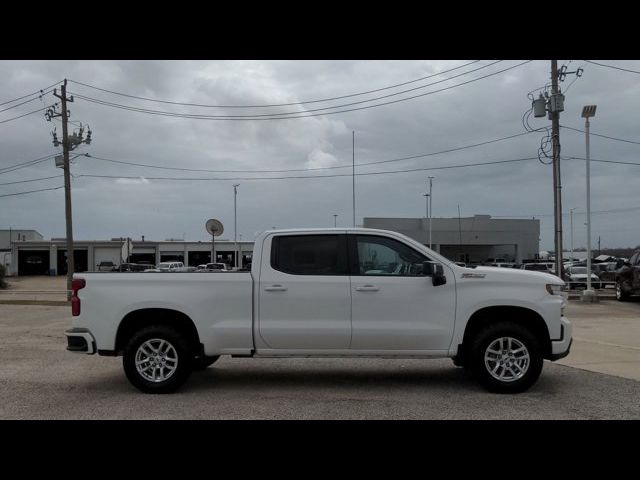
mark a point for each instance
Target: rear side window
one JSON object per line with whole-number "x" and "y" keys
{"x": 310, "y": 254}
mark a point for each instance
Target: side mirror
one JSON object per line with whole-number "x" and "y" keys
{"x": 435, "y": 271}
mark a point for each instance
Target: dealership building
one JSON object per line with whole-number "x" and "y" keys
{"x": 474, "y": 239}
{"x": 49, "y": 257}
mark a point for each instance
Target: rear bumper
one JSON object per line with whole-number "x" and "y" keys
{"x": 80, "y": 340}
{"x": 560, "y": 347}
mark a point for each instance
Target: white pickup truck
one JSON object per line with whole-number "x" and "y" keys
{"x": 325, "y": 293}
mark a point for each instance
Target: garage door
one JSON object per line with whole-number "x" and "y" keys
{"x": 33, "y": 262}
{"x": 106, "y": 254}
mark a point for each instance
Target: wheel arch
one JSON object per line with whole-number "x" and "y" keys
{"x": 145, "y": 317}
{"x": 523, "y": 316}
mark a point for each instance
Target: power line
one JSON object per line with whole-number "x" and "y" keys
{"x": 604, "y": 161}
{"x": 30, "y": 94}
{"x": 218, "y": 117}
{"x": 31, "y": 180}
{"x": 309, "y": 169}
{"x": 28, "y": 163}
{"x": 323, "y": 108}
{"x": 31, "y": 191}
{"x": 275, "y": 104}
{"x": 600, "y": 135}
{"x": 26, "y": 101}
{"x": 445, "y": 167}
{"x": 24, "y": 115}
{"x": 612, "y": 66}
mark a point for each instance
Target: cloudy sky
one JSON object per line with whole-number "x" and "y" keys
{"x": 468, "y": 110}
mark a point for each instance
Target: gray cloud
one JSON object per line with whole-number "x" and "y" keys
{"x": 489, "y": 108}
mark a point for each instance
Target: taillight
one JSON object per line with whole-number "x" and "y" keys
{"x": 76, "y": 284}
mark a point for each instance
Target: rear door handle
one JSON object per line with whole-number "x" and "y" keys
{"x": 275, "y": 288}
{"x": 368, "y": 288}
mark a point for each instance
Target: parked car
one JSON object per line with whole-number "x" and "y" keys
{"x": 536, "y": 267}
{"x": 213, "y": 267}
{"x": 577, "y": 277}
{"x": 168, "y": 267}
{"x": 628, "y": 278}
{"x": 107, "y": 266}
{"x": 309, "y": 293}
{"x": 133, "y": 267}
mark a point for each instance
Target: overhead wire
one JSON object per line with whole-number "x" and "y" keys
{"x": 612, "y": 66}
{"x": 336, "y": 106}
{"x": 273, "y": 117}
{"x": 276, "y": 104}
{"x": 31, "y": 191}
{"x": 312, "y": 168}
{"x": 29, "y": 95}
{"x": 444, "y": 167}
{"x": 600, "y": 135}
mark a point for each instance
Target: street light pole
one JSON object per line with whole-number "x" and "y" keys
{"x": 430, "y": 208}
{"x": 587, "y": 112}
{"x": 235, "y": 226}
{"x": 571, "y": 214}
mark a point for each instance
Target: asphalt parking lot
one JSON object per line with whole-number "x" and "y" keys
{"x": 39, "y": 379}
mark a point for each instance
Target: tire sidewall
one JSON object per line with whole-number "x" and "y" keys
{"x": 487, "y": 336}
{"x": 185, "y": 359}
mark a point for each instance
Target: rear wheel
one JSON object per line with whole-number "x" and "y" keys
{"x": 157, "y": 359}
{"x": 506, "y": 358}
{"x": 621, "y": 295}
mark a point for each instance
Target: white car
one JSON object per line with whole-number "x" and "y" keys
{"x": 213, "y": 267}
{"x": 326, "y": 293}
{"x": 169, "y": 267}
{"x": 577, "y": 277}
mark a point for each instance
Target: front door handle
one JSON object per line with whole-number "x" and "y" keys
{"x": 275, "y": 288}
{"x": 368, "y": 288}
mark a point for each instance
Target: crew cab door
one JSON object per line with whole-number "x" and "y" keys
{"x": 305, "y": 297}
{"x": 394, "y": 306}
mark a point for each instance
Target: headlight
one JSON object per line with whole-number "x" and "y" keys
{"x": 555, "y": 289}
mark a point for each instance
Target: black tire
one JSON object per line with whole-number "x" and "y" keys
{"x": 621, "y": 295}
{"x": 202, "y": 363}
{"x": 180, "y": 347}
{"x": 481, "y": 342}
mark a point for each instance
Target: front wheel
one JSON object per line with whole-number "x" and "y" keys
{"x": 621, "y": 295}
{"x": 506, "y": 358}
{"x": 157, "y": 359}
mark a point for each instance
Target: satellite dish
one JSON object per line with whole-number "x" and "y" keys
{"x": 214, "y": 227}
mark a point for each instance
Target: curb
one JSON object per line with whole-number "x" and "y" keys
{"x": 55, "y": 303}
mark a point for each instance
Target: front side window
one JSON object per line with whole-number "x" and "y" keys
{"x": 386, "y": 256}
{"x": 310, "y": 254}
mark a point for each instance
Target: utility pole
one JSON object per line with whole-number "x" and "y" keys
{"x": 68, "y": 144}
{"x": 67, "y": 184}
{"x": 554, "y": 112}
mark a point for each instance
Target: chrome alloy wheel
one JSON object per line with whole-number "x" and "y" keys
{"x": 156, "y": 360}
{"x": 507, "y": 359}
{"x": 618, "y": 291}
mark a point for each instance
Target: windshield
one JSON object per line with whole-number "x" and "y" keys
{"x": 164, "y": 265}
{"x": 579, "y": 270}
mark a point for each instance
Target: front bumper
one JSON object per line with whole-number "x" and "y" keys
{"x": 80, "y": 340}
{"x": 560, "y": 347}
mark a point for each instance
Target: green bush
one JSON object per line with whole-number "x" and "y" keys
{"x": 3, "y": 272}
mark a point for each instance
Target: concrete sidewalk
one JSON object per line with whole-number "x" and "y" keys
{"x": 606, "y": 337}
{"x": 36, "y": 290}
